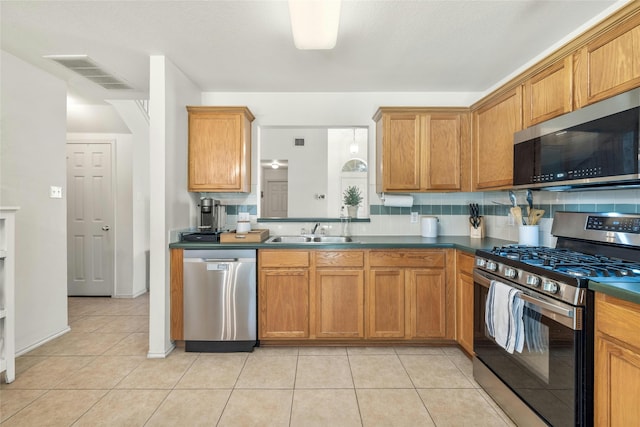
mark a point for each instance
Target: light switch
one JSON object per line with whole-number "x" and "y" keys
{"x": 414, "y": 217}
{"x": 55, "y": 192}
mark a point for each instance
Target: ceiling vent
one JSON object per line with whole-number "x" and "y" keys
{"x": 89, "y": 69}
{"x": 298, "y": 142}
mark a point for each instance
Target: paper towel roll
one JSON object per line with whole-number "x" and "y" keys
{"x": 398, "y": 201}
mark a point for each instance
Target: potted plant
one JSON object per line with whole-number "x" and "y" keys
{"x": 352, "y": 197}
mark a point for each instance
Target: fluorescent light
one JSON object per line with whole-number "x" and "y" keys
{"x": 314, "y": 23}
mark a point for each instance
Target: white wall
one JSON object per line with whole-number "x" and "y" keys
{"x": 33, "y": 158}
{"x": 306, "y": 165}
{"x": 171, "y": 206}
{"x": 138, "y": 122}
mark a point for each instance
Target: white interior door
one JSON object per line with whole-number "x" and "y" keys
{"x": 276, "y": 199}
{"x": 90, "y": 228}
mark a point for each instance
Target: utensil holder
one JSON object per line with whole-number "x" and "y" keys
{"x": 477, "y": 233}
{"x": 529, "y": 235}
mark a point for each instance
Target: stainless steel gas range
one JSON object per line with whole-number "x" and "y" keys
{"x": 549, "y": 381}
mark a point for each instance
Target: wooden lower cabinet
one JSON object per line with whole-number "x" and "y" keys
{"x": 283, "y": 294}
{"x": 464, "y": 301}
{"x": 386, "y": 303}
{"x": 427, "y": 290}
{"x": 284, "y": 303}
{"x": 409, "y": 295}
{"x": 617, "y": 362}
{"x": 326, "y": 295}
{"x": 339, "y": 303}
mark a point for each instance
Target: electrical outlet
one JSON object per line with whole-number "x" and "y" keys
{"x": 55, "y": 192}
{"x": 414, "y": 217}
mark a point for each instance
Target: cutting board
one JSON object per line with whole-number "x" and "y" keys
{"x": 253, "y": 236}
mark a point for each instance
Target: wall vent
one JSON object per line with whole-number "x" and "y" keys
{"x": 298, "y": 142}
{"x": 89, "y": 69}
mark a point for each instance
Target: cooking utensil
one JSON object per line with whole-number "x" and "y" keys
{"x": 535, "y": 215}
{"x": 530, "y": 202}
{"x": 516, "y": 211}
{"x": 512, "y": 197}
{"x": 474, "y": 215}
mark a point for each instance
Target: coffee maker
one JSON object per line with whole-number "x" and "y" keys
{"x": 209, "y": 215}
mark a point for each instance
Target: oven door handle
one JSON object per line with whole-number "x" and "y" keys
{"x": 568, "y": 316}
{"x": 547, "y": 306}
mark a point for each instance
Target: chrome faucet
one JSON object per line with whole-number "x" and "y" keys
{"x": 315, "y": 227}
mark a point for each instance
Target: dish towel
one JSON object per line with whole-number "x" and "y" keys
{"x": 503, "y": 316}
{"x": 535, "y": 335}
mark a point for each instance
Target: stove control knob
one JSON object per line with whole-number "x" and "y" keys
{"x": 533, "y": 281}
{"x": 549, "y": 286}
{"x": 480, "y": 262}
{"x": 491, "y": 266}
{"x": 510, "y": 273}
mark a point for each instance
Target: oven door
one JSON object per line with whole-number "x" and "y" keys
{"x": 549, "y": 374}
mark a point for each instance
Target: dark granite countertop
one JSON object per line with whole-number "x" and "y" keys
{"x": 627, "y": 290}
{"x": 464, "y": 243}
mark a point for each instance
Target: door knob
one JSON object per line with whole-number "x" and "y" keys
{"x": 106, "y": 228}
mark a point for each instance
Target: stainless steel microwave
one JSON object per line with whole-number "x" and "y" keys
{"x": 594, "y": 147}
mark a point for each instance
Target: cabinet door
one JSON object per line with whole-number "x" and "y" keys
{"x": 219, "y": 151}
{"x": 284, "y": 303}
{"x": 465, "y": 312}
{"x": 400, "y": 150}
{"x": 617, "y": 384}
{"x": 441, "y": 156}
{"x": 427, "y": 299}
{"x": 494, "y": 124}
{"x": 386, "y": 303}
{"x": 339, "y": 303}
{"x": 549, "y": 93}
{"x": 610, "y": 64}
{"x": 177, "y": 294}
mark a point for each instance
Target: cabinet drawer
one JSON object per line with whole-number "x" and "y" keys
{"x": 618, "y": 319}
{"x": 419, "y": 258}
{"x": 283, "y": 258}
{"x": 465, "y": 262}
{"x": 339, "y": 258}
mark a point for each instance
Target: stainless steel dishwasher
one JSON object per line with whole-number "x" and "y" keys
{"x": 220, "y": 311}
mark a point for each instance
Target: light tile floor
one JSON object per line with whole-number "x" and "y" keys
{"x": 98, "y": 374}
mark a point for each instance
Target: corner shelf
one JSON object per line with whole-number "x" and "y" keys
{"x": 7, "y": 292}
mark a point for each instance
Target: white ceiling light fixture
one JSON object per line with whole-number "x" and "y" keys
{"x": 314, "y": 23}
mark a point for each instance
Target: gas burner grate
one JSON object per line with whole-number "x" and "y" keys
{"x": 569, "y": 262}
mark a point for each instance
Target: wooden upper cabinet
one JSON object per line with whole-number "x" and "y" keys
{"x": 420, "y": 149}
{"x": 549, "y": 93}
{"x": 494, "y": 123}
{"x": 610, "y": 64}
{"x": 398, "y": 141}
{"x": 441, "y": 158}
{"x": 220, "y": 149}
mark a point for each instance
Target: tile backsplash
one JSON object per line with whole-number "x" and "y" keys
{"x": 453, "y": 212}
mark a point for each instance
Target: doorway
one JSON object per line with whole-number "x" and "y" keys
{"x": 90, "y": 214}
{"x": 275, "y": 193}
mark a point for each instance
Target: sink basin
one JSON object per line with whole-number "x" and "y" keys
{"x": 310, "y": 240}
{"x": 332, "y": 239}
{"x": 290, "y": 239}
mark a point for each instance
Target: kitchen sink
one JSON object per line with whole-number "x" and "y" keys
{"x": 310, "y": 239}
{"x": 333, "y": 239}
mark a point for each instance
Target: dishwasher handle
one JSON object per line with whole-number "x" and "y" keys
{"x": 221, "y": 260}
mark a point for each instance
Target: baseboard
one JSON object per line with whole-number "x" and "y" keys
{"x": 42, "y": 342}
{"x": 161, "y": 355}
{"x": 130, "y": 296}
